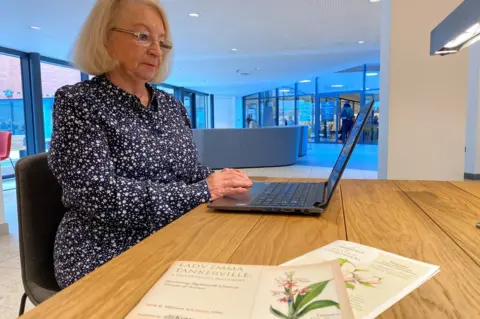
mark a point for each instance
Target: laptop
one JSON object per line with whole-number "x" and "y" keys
{"x": 296, "y": 198}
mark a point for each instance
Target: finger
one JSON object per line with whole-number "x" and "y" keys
{"x": 237, "y": 174}
{"x": 237, "y": 183}
{"x": 234, "y": 191}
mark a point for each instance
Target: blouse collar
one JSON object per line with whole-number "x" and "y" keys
{"x": 124, "y": 95}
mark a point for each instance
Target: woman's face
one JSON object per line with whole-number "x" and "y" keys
{"x": 138, "y": 59}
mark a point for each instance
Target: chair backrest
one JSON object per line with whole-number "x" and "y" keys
{"x": 40, "y": 211}
{"x": 5, "y": 144}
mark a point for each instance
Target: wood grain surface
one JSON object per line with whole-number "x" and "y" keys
{"x": 455, "y": 210}
{"x": 278, "y": 238}
{"x": 380, "y": 214}
{"x": 374, "y": 213}
{"x": 112, "y": 290}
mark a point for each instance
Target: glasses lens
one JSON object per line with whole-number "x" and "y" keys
{"x": 143, "y": 39}
{"x": 165, "y": 45}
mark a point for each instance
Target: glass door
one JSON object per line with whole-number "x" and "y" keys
{"x": 201, "y": 110}
{"x": 327, "y": 116}
{"x": 252, "y": 115}
{"x": 373, "y": 120}
{"x": 188, "y": 101}
{"x": 306, "y": 114}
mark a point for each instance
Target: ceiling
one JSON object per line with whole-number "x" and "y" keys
{"x": 279, "y": 42}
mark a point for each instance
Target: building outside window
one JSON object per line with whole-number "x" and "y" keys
{"x": 53, "y": 78}
{"x": 12, "y": 116}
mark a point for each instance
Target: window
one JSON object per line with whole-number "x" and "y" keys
{"x": 53, "y": 78}
{"x": 12, "y": 117}
{"x": 306, "y": 113}
{"x": 187, "y": 103}
{"x": 166, "y": 89}
{"x": 201, "y": 107}
{"x": 286, "y": 106}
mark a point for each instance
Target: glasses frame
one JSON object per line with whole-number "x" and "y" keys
{"x": 164, "y": 45}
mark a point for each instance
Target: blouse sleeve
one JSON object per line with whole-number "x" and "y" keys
{"x": 80, "y": 160}
{"x": 201, "y": 171}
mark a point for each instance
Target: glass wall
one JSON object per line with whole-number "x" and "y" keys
{"x": 201, "y": 108}
{"x": 166, "y": 89}
{"x": 318, "y": 102}
{"x": 188, "y": 104}
{"x": 12, "y": 116}
{"x": 252, "y": 111}
{"x": 306, "y": 113}
{"x": 53, "y": 78}
{"x": 286, "y": 106}
{"x": 29, "y": 77}
{"x": 268, "y": 108}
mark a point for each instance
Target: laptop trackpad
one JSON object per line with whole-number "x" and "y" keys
{"x": 245, "y": 199}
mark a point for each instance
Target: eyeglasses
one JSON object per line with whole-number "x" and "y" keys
{"x": 146, "y": 39}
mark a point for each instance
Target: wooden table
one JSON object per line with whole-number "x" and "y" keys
{"x": 429, "y": 221}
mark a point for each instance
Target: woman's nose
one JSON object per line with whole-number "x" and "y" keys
{"x": 155, "y": 49}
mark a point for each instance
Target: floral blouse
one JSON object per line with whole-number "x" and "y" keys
{"x": 126, "y": 171}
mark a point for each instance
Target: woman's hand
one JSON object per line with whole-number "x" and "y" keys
{"x": 228, "y": 182}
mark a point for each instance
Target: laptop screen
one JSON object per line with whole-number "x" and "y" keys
{"x": 347, "y": 150}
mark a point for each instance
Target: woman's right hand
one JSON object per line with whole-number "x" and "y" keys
{"x": 228, "y": 182}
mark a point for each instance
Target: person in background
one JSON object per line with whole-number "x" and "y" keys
{"x": 347, "y": 120}
{"x": 122, "y": 150}
{"x": 375, "y": 128}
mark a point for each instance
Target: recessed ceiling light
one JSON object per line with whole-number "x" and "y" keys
{"x": 233, "y": 49}
{"x": 337, "y": 85}
{"x": 305, "y": 81}
{"x": 375, "y": 1}
{"x": 361, "y": 42}
{"x": 194, "y": 15}
{"x": 371, "y": 74}
{"x": 34, "y": 27}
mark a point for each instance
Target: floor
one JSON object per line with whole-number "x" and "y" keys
{"x": 316, "y": 164}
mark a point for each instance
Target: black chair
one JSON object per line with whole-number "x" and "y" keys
{"x": 40, "y": 211}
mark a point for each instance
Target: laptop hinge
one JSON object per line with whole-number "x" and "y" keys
{"x": 322, "y": 204}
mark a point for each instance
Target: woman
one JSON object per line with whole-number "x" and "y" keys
{"x": 122, "y": 150}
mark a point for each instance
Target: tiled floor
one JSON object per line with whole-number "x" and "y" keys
{"x": 11, "y": 288}
{"x": 317, "y": 164}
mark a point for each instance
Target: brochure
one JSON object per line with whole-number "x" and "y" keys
{"x": 195, "y": 290}
{"x": 375, "y": 279}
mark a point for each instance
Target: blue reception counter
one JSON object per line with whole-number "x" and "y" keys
{"x": 252, "y": 147}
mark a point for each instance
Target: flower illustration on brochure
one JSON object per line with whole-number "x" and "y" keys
{"x": 354, "y": 276}
{"x": 299, "y": 300}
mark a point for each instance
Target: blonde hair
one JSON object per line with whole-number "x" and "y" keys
{"x": 90, "y": 51}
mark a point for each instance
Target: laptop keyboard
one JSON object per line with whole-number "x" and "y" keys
{"x": 285, "y": 194}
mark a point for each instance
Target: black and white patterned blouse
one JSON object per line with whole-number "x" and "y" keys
{"x": 126, "y": 171}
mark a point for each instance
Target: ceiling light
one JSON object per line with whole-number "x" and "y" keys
{"x": 305, "y": 81}
{"x": 371, "y": 74}
{"x": 234, "y": 50}
{"x": 373, "y": 1}
{"x": 471, "y": 32}
{"x": 361, "y": 42}
{"x": 34, "y": 27}
{"x": 284, "y": 90}
{"x": 460, "y": 29}
{"x": 194, "y": 15}
{"x": 337, "y": 85}
{"x": 444, "y": 52}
